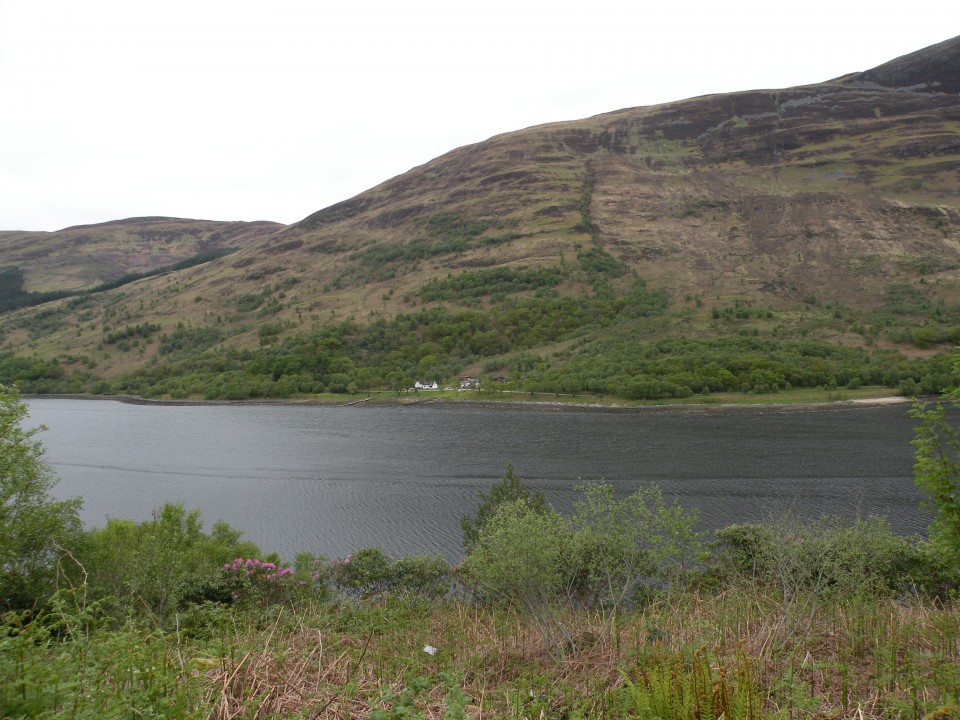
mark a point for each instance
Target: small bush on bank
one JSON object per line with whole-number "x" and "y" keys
{"x": 425, "y": 576}
{"x": 624, "y": 549}
{"x": 261, "y": 582}
{"x": 607, "y": 554}
{"x": 510, "y": 488}
{"x": 157, "y": 567}
{"x": 829, "y": 556}
{"x": 370, "y": 571}
{"x": 520, "y": 557}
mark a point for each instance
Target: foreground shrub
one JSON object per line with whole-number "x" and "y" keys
{"x": 426, "y": 576}
{"x": 159, "y": 566}
{"x": 370, "y": 571}
{"x": 623, "y": 549}
{"x": 829, "y": 556}
{"x": 509, "y": 489}
{"x": 697, "y": 688}
{"x": 937, "y": 473}
{"x": 364, "y": 573}
{"x": 261, "y": 582}
{"x": 608, "y": 553}
{"x": 521, "y": 557}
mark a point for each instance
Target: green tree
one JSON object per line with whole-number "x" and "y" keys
{"x": 520, "y": 554}
{"x": 937, "y": 470}
{"x": 533, "y": 558}
{"x": 158, "y": 566}
{"x": 34, "y": 527}
{"x": 520, "y": 560}
{"x": 509, "y": 488}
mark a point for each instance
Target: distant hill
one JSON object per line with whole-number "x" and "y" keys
{"x": 84, "y": 256}
{"x": 828, "y": 211}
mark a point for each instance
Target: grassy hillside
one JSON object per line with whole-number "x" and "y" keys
{"x": 85, "y": 256}
{"x": 827, "y": 212}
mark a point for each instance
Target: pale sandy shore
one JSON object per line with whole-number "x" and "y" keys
{"x": 896, "y": 400}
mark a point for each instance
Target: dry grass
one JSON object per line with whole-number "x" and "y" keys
{"x": 863, "y": 659}
{"x": 326, "y": 674}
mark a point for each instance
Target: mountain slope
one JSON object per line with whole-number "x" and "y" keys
{"x": 84, "y": 256}
{"x": 844, "y": 193}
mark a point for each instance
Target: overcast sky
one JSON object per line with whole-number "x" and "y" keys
{"x": 273, "y": 109}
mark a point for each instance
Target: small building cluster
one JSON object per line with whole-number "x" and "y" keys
{"x": 466, "y": 383}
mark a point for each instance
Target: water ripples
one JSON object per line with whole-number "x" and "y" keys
{"x": 330, "y": 480}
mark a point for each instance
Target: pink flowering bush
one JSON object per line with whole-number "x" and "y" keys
{"x": 316, "y": 573}
{"x": 367, "y": 572}
{"x": 262, "y": 582}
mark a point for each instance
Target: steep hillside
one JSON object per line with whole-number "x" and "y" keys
{"x": 829, "y": 211}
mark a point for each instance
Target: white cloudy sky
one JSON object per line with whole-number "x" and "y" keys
{"x": 240, "y": 110}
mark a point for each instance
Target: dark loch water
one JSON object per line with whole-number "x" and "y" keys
{"x": 331, "y": 480}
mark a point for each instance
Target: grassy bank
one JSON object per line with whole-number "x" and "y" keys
{"x": 690, "y": 654}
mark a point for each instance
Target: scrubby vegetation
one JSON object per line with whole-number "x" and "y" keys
{"x": 620, "y": 608}
{"x": 616, "y": 346}
{"x": 584, "y": 323}
{"x": 497, "y": 282}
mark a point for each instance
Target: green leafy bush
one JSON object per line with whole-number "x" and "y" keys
{"x": 366, "y": 572}
{"x": 370, "y": 571}
{"x": 623, "y": 548}
{"x": 510, "y": 488}
{"x": 608, "y": 553}
{"x": 34, "y": 527}
{"x": 159, "y": 566}
{"x": 426, "y": 576}
{"x": 937, "y": 472}
{"x": 831, "y": 556}
{"x": 520, "y": 557}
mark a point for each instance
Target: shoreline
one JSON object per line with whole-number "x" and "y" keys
{"x": 485, "y": 404}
